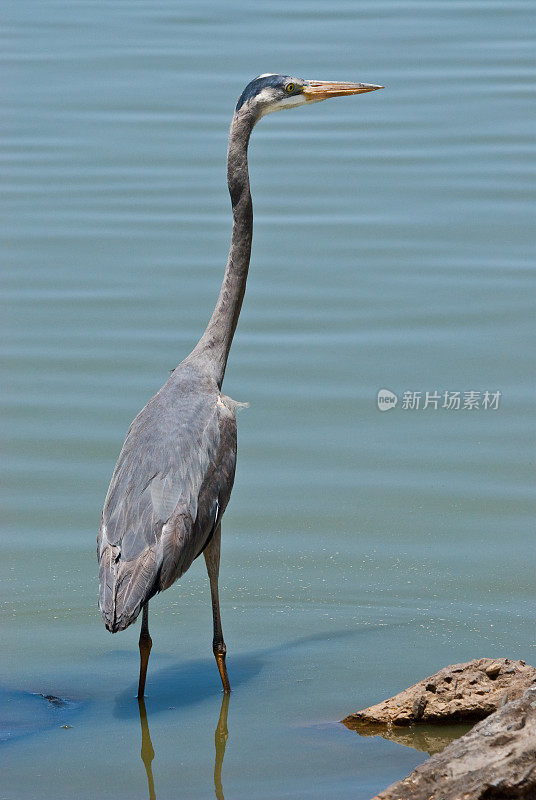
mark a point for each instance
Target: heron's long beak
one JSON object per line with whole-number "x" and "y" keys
{"x": 321, "y": 90}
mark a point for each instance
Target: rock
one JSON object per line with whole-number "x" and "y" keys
{"x": 56, "y": 701}
{"x": 494, "y": 761}
{"x": 494, "y": 669}
{"x": 458, "y": 693}
{"x": 419, "y": 705}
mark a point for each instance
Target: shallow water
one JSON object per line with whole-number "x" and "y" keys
{"x": 393, "y": 231}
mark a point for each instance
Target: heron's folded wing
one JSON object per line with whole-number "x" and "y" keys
{"x": 152, "y": 506}
{"x": 167, "y": 451}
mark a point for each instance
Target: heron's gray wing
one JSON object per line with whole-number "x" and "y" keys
{"x": 153, "y": 525}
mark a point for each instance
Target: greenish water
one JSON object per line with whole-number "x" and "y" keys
{"x": 393, "y": 248}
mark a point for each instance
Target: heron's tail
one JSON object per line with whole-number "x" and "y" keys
{"x": 125, "y": 586}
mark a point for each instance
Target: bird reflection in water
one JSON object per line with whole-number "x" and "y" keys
{"x": 147, "y": 749}
{"x": 221, "y": 735}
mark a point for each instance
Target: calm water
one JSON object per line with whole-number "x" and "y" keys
{"x": 393, "y": 249}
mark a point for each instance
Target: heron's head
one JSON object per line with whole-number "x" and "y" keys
{"x": 270, "y": 92}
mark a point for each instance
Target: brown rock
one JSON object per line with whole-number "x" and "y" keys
{"x": 496, "y": 760}
{"x": 494, "y": 669}
{"x": 458, "y": 693}
{"x": 419, "y": 705}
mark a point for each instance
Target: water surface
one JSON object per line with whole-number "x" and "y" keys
{"x": 362, "y": 550}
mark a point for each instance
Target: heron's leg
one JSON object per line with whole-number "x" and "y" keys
{"x": 145, "y": 648}
{"x": 212, "y": 560}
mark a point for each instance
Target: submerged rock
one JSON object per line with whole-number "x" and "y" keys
{"x": 458, "y": 693}
{"x": 56, "y": 701}
{"x": 496, "y": 760}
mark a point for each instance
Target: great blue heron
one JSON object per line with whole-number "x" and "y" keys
{"x": 175, "y": 472}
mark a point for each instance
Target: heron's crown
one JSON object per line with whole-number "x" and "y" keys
{"x": 269, "y": 86}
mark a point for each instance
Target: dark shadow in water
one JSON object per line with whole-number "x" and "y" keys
{"x": 428, "y": 738}
{"x": 221, "y": 735}
{"x": 183, "y": 685}
{"x": 191, "y": 682}
{"x": 26, "y": 713}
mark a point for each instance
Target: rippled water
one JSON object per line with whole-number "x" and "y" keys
{"x": 393, "y": 249}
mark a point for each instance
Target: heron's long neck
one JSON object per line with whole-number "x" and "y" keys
{"x": 213, "y": 347}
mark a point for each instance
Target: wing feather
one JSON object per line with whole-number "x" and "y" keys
{"x": 174, "y": 472}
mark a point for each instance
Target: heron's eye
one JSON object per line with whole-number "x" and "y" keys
{"x": 289, "y": 88}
